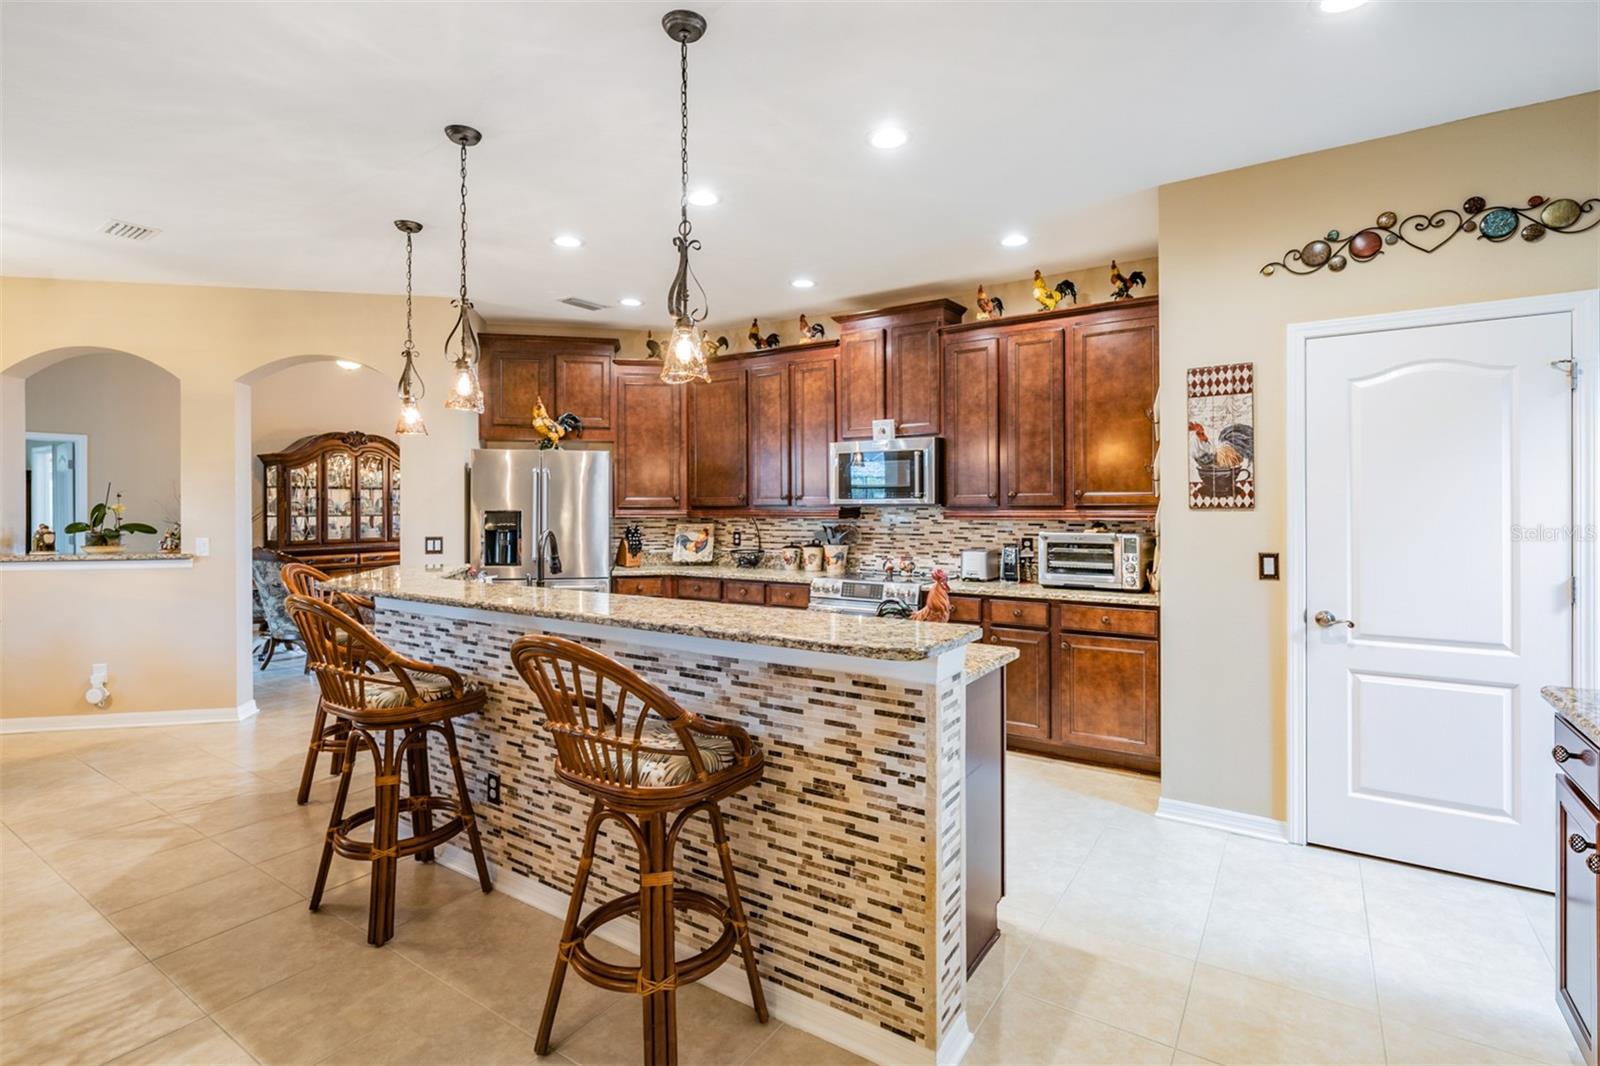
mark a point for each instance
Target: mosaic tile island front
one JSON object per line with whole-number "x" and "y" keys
{"x": 850, "y": 850}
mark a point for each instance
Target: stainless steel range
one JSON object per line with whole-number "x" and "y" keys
{"x": 862, "y": 593}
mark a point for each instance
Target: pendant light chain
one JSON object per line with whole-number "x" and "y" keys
{"x": 410, "y": 347}
{"x": 683, "y": 137}
{"x": 463, "y": 228}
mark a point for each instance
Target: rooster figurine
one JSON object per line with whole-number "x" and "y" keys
{"x": 652, "y": 345}
{"x": 810, "y": 331}
{"x": 937, "y": 609}
{"x": 1048, "y": 297}
{"x": 1120, "y": 284}
{"x": 989, "y": 306}
{"x": 757, "y": 341}
{"x": 550, "y": 430}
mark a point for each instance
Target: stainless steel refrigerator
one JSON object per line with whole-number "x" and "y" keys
{"x": 542, "y": 517}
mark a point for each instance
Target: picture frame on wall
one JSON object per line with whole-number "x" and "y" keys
{"x": 1221, "y": 437}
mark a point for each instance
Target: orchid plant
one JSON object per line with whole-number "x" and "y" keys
{"x": 105, "y": 526}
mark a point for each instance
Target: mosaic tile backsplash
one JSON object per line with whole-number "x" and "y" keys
{"x": 848, "y": 850}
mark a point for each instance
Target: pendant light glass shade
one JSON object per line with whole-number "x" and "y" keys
{"x": 684, "y": 359}
{"x": 466, "y": 394}
{"x": 410, "y": 388}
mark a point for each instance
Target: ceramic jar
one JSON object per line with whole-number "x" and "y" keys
{"x": 833, "y": 558}
{"x": 813, "y": 557}
{"x": 792, "y": 556}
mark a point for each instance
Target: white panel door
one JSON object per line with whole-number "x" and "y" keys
{"x": 1437, "y": 497}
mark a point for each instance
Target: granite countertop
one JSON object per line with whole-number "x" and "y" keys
{"x": 88, "y": 557}
{"x": 1004, "y": 589}
{"x": 1580, "y": 706}
{"x": 822, "y": 631}
{"x": 985, "y": 659}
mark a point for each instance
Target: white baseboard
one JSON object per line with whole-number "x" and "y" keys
{"x": 1249, "y": 825}
{"x": 129, "y": 720}
{"x": 784, "y": 1005}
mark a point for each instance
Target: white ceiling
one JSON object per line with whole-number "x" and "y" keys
{"x": 274, "y": 143}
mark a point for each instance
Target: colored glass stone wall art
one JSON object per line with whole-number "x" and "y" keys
{"x": 1430, "y": 232}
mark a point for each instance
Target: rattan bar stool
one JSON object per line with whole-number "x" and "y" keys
{"x": 391, "y": 705}
{"x": 650, "y": 766}
{"x": 302, "y": 579}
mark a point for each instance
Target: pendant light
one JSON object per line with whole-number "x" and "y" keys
{"x": 684, "y": 357}
{"x": 411, "y": 388}
{"x": 465, "y": 392}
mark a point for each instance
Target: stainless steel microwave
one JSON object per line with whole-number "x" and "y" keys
{"x": 870, "y": 473}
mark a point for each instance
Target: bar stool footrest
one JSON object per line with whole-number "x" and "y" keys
{"x": 363, "y": 851}
{"x": 619, "y": 978}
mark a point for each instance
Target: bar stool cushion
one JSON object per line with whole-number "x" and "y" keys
{"x": 665, "y": 769}
{"x": 430, "y": 687}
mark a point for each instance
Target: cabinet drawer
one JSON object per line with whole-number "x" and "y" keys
{"x": 1026, "y": 613}
{"x": 966, "y": 609}
{"x": 697, "y": 588}
{"x": 1578, "y": 759}
{"x": 1577, "y": 882}
{"x": 1087, "y": 618}
{"x": 789, "y": 595}
{"x": 744, "y": 592}
{"x": 640, "y": 586}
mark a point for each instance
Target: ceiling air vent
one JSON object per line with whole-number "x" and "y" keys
{"x": 128, "y": 230}
{"x": 582, "y": 304}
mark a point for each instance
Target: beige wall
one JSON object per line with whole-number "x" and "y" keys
{"x": 128, "y": 408}
{"x": 178, "y": 639}
{"x": 1223, "y": 632}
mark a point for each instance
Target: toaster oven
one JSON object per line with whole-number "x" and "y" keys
{"x": 1095, "y": 560}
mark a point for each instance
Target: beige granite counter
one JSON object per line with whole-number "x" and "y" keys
{"x": 1580, "y": 706}
{"x": 985, "y": 659}
{"x": 93, "y": 557}
{"x": 1005, "y": 589}
{"x": 820, "y": 631}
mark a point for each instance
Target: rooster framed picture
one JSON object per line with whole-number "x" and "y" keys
{"x": 1222, "y": 437}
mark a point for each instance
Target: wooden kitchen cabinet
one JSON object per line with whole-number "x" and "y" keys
{"x": 568, "y": 373}
{"x": 1027, "y": 680}
{"x": 861, "y": 393}
{"x": 767, "y": 392}
{"x": 719, "y": 474}
{"x": 814, "y": 425}
{"x": 890, "y": 367}
{"x": 641, "y": 586}
{"x": 1577, "y": 886}
{"x": 647, "y": 462}
{"x": 972, "y": 415}
{"x": 1107, "y": 698}
{"x": 1033, "y": 455}
{"x": 1115, "y": 362}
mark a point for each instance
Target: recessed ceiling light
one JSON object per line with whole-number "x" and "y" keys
{"x": 1014, "y": 240}
{"x": 802, "y": 283}
{"x": 1339, "y": 7}
{"x": 347, "y": 364}
{"x": 703, "y": 198}
{"x": 630, "y": 301}
{"x": 888, "y": 137}
{"x": 567, "y": 240}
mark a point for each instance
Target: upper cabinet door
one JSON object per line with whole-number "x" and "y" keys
{"x": 913, "y": 380}
{"x": 567, "y": 373}
{"x": 1033, "y": 460}
{"x": 861, "y": 376}
{"x": 768, "y": 397}
{"x": 718, "y": 446}
{"x": 972, "y": 408}
{"x": 583, "y": 386}
{"x": 813, "y": 391}
{"x": 1115, "y": 365}
{"x": 647, "y": 461}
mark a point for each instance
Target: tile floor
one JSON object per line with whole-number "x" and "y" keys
{"x": 152, "y": 910}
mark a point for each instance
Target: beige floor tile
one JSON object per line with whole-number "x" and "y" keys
{"x": 123, "y": 844}
{"x": 50, "y": 832}
{"x": 712, "y": 1029}
{"x": 419, "y": 889}
{"x": 1308, "y": 884}
{"x": 1443, "y": 914}
{"x": 1412, "y": 1045}
{"x": 1184, "y": 1058}
{"x": 117, "y": 886}
{"x": 224, "y": 782}
{"x": 259, "y": 800}
{"x": 20, "y": 803}
{"x": 1236, "y": 1019}
{"x": 476, "y": 1036}
{"x": 222, "y": 970}
{"x": 200, "y": 1043}
{"x": 298, "y": 869}
{"x": 1021, "y": 1030}
{"x": 984, "y": 986}
{"x": 99, "y": 1021}
{"x": 1122, "y": 984}
{"x": 271, "y": 837}
{"x": 178, "y": 919}
{"x": 150, "y": 772}
{"x": 50, "y": 953}
{"x": 791, "y": 1047}
{"x": 1268, "y": 946}
{"x": 1170, "y": 918}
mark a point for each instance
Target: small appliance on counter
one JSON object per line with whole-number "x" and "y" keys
{"x": 1010, "y": 563}
{"x": 980, "y": 564}
{"x": 1095, "y": 560}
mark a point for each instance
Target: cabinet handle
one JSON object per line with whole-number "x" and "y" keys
{"x": 1578, "y": 844}
{"x": 1560, "y": 754}
{"x": 1105, "y": 619}
{"x": 994, "y": 496}
{"x": 1077, "y": 494}
{"x": 1016, "y": 612}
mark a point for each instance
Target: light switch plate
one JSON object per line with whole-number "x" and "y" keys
{"x": 202, "y": 545}
{"x": 433, "y": 545}
{"x": 1267, "y": 566}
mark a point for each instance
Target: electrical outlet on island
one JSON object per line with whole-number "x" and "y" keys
{"x": 491, "y": 789}
{"x": 738, "y": 537}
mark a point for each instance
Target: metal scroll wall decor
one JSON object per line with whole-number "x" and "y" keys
{"x": 1428, "y": 233}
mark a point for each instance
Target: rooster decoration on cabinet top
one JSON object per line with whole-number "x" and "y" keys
{"x": 1121, "y": 284}
{"x": 757, "y": 341}
{"x": 810, "y": 331}
{"x": 1048, "y": 297}
{"x": 551, "y": 430}
{"x": 989, "y": 306}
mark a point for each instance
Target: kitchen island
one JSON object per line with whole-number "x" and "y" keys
{"x": 853, "y": 849}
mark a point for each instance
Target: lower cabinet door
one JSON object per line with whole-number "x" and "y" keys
{"x": 1107, "y": 694}
{"x": 1576, "y": 883}
{"x": 1027, "y": 681}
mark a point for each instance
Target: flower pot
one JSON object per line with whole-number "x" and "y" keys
{"x": 102, "y": 549}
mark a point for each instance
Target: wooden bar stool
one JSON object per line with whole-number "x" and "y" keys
{"x": 643, "y": 760}
{"x": 302, "y": 579}
{"x": 389, "y": 704}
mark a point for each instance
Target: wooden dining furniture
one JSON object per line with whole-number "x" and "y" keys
{"x": 302, "y": 579}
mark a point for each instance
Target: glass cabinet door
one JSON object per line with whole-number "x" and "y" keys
{"x": 370, "y": 472}
{"x": 340, "y": 467}
{"x": 303, "y": 503}
{"x": 394, "y": 501}
{"x": 271, "y": 504}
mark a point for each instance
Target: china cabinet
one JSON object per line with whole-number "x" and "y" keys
{"x": 333, "y": 500}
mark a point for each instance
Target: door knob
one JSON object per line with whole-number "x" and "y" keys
{"x": 1326, "y": 619}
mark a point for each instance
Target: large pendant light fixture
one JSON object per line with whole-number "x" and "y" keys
{"x": 684, "y": 358}
{"x": 411, "y": 388}
{"x": 466, "y": 394}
